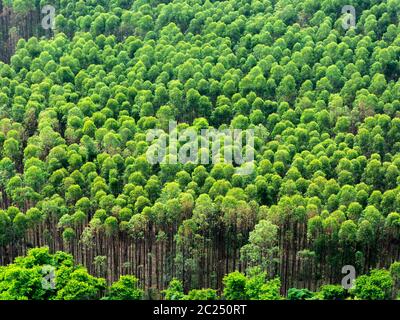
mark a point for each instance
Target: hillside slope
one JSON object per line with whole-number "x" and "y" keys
{"x": 323, "y": 101}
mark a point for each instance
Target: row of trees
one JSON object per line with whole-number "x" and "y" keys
{"x": 20, "y": 19}
{"x": 43, "y": 276}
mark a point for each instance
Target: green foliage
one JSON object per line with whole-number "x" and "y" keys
{"x": 375, "y": 286}
{"x": 299, "y": 294}
{"x": 333, "y": 292}
{"x": 201, "y": 294}
{"x": 174, "y": 290}
{"x": 126, "y": 288}
{"x": 25, "y": 279}
{"x": 255, "y": 287}
{"x": 323, "y": 103}
{"x": 254, "y": 284}
{"x": 235, "y": 286}
{"x": 80, "y": 286}
{"x": 270, "y": 290}
{"x": 23, "y": 6}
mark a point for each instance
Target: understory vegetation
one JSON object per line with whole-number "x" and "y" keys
{"x": 77, "y": 188}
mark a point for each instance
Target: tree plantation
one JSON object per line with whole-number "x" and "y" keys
{"x": 85, "y": 215}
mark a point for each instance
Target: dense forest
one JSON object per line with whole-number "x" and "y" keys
{"x": 77, "y": 102}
